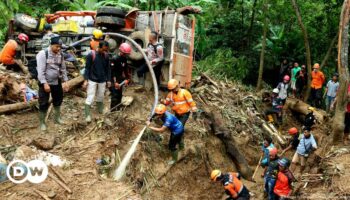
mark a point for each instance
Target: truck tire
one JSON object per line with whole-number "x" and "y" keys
{"x": 110, "y": 21}
{"x": 139, "y": 37}
{"x": 26, "y": 22}
{"x": 110, "y": 11}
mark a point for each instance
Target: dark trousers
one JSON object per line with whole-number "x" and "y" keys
{"x": 116, "y": 97}
{"x": 56, "y": 93}
{"x": 157, "y": 71}
{"x": 316, "y": 97}
{"x": 272, "y": 112}
{"x": 174, "y": 140}
{"x": 13, "y": 67}
{"x": 183, "y": 118}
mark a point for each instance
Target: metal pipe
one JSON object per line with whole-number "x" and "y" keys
{"x": 155, "y": 85}
{"x": 80, "y": 41}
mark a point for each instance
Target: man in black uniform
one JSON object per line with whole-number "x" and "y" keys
{"x": 120, "y": 75}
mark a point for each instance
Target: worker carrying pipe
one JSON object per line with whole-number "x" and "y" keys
{"x": 232, "y": 184}
{"x": 173, "y": 124}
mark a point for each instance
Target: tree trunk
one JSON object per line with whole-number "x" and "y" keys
{"x": 249, "y": 32}
{"x": 307, "y": 49}
{"x": 262, "y": 54}
{"x": 216, "y": 122}
{"x": 301, "y": 107}
{"x": 20, "y": 106}
{"x": 343, "y": 48}
{"x": 329, "y": 51}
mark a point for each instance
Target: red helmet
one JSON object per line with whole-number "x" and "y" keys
{"x": 293, "y": 131}
{"x": 23, "y": 37}
{"x": 286, "y": 78}
{"x": 273, "y": 151}
{"x": 125, "y": 48}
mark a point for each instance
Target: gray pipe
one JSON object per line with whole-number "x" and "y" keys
{"x": 80, "y": 41}
{"x": 155, "y": 85}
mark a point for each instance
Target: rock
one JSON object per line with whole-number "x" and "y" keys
{"x": 51, "y": 194}
{"x": 44, "y": 142}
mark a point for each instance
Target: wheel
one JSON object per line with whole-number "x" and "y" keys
{"x": 26, "y": 22}
{"x": 110, "y": 21}
{"x": 111, "y": 11}
{"x": 139, "y": 37}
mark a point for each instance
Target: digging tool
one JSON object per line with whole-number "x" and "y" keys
{"x": 257, "y": 167}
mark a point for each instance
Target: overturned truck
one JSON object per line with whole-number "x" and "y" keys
{"x": 175, "y": 27}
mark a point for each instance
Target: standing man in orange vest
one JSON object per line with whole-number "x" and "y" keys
{"x": 232, "y": 184}
{"x": 181, "y": 101}
{"x": 318, "y": 79}
{"x": 11, "y": 53}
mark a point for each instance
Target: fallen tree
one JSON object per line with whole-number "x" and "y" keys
{"x": 301, "y": 107}
{"x": 215, "y": 120}
{"x": 73, "y": 83}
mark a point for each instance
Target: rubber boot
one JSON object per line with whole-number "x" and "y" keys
{"x": 182, "y": 144}
{"x": 270, "y": 118}
{"x": 57, "y": 115}
{"x": 87, "y": 113}
{"x": 42, "y": 116}
{"x": 174, "y": 157}
{"x": 100, "y": 107}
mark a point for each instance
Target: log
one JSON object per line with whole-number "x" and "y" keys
{"x": 63, "y": 185}
{"x": 23, "y": 105}
{"x": 274, "y": 134}
{"x": 301, "y": 107}
{"x": 218, "y": 128}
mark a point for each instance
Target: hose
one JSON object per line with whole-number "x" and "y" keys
{"x": 155, "y": 85}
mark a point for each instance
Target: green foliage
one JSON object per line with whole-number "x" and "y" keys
{"x": 223, "y": 64}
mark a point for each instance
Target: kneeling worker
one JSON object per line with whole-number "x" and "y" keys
{"x": 173, "y": 124}
{"x": 232, "y": 184}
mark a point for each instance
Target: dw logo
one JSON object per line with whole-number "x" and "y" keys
{"x": 35, "y": 171}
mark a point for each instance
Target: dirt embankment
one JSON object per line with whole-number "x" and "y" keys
{"x": 94, "y": 150}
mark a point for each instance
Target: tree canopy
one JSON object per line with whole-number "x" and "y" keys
{"x": 229, "y": 32}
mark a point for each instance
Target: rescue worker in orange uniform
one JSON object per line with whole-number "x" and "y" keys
{"x": 97, "y": 37}
{"x": 181, "y": 101}
{"x": 11, "y": 53}
{"x": 317, "y": 82}
{"x": 283, "y": 187}
{"x": 232, "y": 184}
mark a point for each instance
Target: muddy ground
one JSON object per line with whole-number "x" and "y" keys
{"x": 148, "y": 176}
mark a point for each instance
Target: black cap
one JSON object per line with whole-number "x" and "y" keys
{"x": 48, "y": 27}
{"x": 56, "y": 40}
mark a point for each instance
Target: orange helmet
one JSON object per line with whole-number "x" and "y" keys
{"x": 273, "y": 151}
{"x": 160, "y": 109}
{"x": 316, "y": 66}
{"x": 215, "y": 174}
{"x": 293, "y": 131}
{"x": 172, "y": 83}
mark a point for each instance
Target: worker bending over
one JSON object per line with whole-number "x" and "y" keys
{"x": 294, "y": 141}
{"x": 10, "y": 55}
{"x": 276, "y": 108}
{"x": 232, "y": 184}
{"x": 120, "y": 74}
{"x": 173, "y": 124}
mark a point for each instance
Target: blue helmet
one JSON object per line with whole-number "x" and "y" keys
{"x": 284, "y": 162}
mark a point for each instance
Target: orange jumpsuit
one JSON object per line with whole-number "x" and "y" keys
{"x": 8, "y": 53}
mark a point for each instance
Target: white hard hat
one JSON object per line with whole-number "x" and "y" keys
{"x": 276, "y": 90}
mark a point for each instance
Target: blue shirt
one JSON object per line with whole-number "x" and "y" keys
{"x": 266, "y": 158}
{"x": 172, "y": 123}
{"x": 332, "y": 88}
{"x": 306, "y": 144}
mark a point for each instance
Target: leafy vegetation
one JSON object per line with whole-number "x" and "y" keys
{"x": 228, "y": 32}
